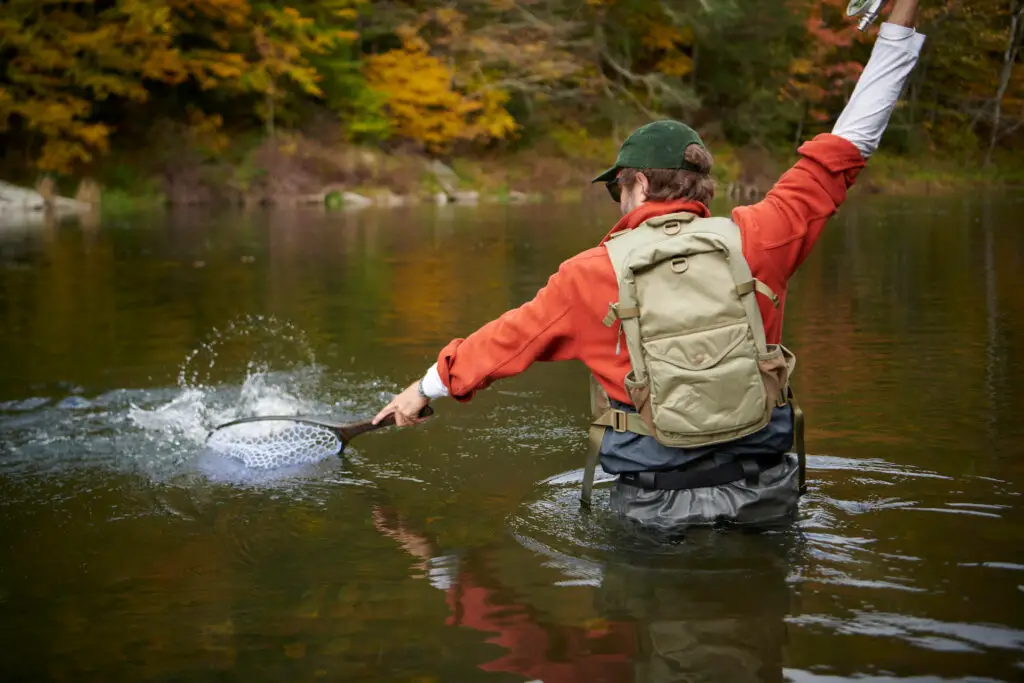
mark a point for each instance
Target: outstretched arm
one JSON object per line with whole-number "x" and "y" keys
{"x": 793, "y": 213}
{"x": 540, "y": 330}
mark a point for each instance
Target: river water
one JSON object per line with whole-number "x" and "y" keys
{"x": 456, "y": 551}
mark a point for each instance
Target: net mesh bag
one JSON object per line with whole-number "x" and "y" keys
{"x": 275, "y": 443}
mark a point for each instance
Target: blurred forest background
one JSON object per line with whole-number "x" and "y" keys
{"x": 196, "y": 100}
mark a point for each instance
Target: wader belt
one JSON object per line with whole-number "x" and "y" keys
{"x": 746, "y": 467}
{"x": 621, "y": 421}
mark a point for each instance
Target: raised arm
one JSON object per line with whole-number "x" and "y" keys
{"x": 866, "y": 115}
{"x": 793, "y": 213}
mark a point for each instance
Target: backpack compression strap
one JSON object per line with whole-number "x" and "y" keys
{"x": 620, "y": 421}
{"x": 603, "y": 415}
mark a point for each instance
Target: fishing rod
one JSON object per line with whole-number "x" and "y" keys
{"x": 868, "y": 9}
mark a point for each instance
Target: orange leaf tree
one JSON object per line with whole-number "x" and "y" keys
{"x": 823, "y": 74}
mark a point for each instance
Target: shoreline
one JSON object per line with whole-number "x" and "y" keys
{"x": 299, "y": 172}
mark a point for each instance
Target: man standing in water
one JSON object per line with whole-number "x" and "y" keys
{"x": 696, "y": 419}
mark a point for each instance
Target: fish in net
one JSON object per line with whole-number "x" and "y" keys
{"x": 272, "y": 444}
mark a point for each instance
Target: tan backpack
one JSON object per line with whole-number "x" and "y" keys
{"x": 702, "y": 372}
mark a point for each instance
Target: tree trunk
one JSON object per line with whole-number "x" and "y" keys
{"x": 271, "y": 95}
{"x": 693, "y": 67}
{"x": 917, "y": 84}
{"x": 1009, "y": 59}
{"x": 800, "y": 128}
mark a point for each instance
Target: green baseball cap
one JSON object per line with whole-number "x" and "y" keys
{"x": 660, "y": 144}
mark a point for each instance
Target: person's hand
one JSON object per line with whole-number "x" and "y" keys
{"x": 903, "y": 13}
{"x": 406, "y": 406}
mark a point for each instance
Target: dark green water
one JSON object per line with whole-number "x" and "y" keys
{"x": 456, "y": 551}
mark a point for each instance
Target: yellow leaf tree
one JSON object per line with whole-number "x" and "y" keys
{"x": 59, "y": 59}
{"x": 424, "y": 106}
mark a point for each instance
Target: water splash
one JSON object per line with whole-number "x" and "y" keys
{"x": 258, "y": 342}
{"x": 254, "y": 365}
{"x": 191, "y": 415}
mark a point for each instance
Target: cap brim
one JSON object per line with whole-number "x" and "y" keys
{"x": 607, "y": 176}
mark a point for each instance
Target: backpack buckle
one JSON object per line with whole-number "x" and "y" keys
{"x": 612, "y": 316}
{"x": 619, "y": 420}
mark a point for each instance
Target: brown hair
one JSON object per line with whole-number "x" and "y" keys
{"x": 666, "y": 184}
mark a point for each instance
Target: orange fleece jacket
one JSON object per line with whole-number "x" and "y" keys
{"x": 564, "y": 320}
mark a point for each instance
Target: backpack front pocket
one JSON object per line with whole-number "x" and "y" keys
{"x": 706, "y": 381}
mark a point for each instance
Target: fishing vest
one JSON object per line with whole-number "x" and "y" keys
{"x": 701, "y": 372}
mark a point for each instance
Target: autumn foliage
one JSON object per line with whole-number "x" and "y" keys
{"x": 78, "y": 78}
{"x": 424, "y": 104}
{"x": 826, "y": 71}
{"x": 63, "y": 60}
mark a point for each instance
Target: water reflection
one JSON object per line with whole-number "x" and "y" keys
{"x": 712, "y": 611}
{"x": 458, "y": 551}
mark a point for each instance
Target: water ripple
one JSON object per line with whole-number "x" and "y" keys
{"x": 927, "y": 633}
{"x": 801, "y": 676}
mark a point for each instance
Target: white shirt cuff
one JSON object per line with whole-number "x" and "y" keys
{"x": 433, "y": 387}
{"x": 897, "y": 32}
{"x": 442, "y": 570}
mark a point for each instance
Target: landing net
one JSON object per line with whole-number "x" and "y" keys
{"x": 270, "y": 444}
